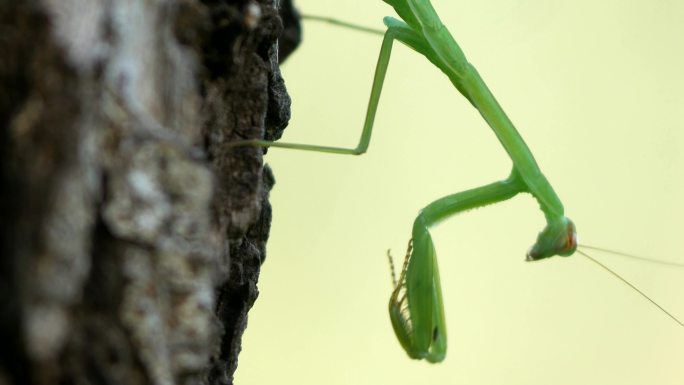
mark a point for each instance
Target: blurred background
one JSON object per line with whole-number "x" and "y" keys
{"x": 595, "y": 90}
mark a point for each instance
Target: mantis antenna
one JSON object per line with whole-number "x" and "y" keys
{"x": 415, "y": 307}
{"x": 626, "y": 282}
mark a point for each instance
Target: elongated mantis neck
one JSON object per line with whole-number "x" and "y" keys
{"x": 432, "y": 39}
{"x": 441, "y": 48}
{"x": 559, "y": 237}
{"x": 513, "y": 143}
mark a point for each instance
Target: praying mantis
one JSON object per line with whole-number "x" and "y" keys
{"x": 350, "y": 260}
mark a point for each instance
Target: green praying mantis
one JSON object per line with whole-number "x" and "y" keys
{"x": 416, "y": 309}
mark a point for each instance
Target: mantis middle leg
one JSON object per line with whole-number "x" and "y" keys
{"x": 390, "y": 36}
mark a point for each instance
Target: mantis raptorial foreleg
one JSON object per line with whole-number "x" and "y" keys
{"x": 418, "y": 295}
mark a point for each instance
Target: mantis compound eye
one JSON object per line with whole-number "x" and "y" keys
{"x": 557, "y": 238}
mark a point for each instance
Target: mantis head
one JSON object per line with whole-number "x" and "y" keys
{"x": 558, "y": 238}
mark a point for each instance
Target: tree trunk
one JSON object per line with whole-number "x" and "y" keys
{"x": 131, "y": 233}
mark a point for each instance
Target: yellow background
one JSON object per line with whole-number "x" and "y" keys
{"x": 596, "y": 90}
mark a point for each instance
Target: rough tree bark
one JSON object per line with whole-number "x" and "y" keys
{"x": 131, "y": 233}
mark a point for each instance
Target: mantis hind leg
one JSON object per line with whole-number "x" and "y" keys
{"x": 343, "y": 24}
{"x": 364, "y": 140}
